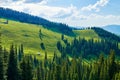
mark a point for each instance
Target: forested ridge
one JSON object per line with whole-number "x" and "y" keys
{"x": 27, "y": 18}
{"x": 87, "y": 48}
{"x": 105, "y": 34}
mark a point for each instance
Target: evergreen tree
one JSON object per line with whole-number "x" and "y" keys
{"x": 40, "y": 34}
{"x": 45, "y": 60}
{"x": 6, "y": 55}
{"x": 29, "y": 70}
{"x": 38, "y": 73}
{"x": 26, "y": 68}
{"x": 23, "y": 67}
{"x": 62, "y": 37}
{"x": 20, "y": 52}
{"x": 12, "y": 71}
{"x": 1, "y": 69}
{"x": 111, "y": 64}
{"x": 1, "y": 64}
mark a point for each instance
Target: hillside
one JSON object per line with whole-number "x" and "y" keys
{"x": 28, "y": 34}
{"x": 27, "y": 18}
{"x": 87, "y": 34}
{"x": 113, "y": 29}
{"x": 105, "y": 34}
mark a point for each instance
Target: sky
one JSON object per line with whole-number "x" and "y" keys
{"x": 75, "y": 13}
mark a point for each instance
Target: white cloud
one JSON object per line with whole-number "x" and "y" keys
{"x": 25, "y": 1}
{"x": 33, "y": 1}
{"x": 96, "y": 6}
{"x": 41, "y": 9}
{"x": 93, "y": 20}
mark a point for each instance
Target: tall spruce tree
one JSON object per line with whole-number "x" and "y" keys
{"x": 20, "y": 52}
{"x": 38, "y": 73}
{"x": 1, "y": 68}
{"x": 112, "y": 65}
{"x": 12, "y": 71}
{"x": 26, "y": 68}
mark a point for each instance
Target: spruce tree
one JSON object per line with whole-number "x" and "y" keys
{"x": 12, "y": 71}
{"x": 62, "y": 37}
{"x": 45, "y": 60}
{"x": 26, "y": 68}
{"x": 29, "y": 70}
{"x": 112, "y": 65}
{"x": 20, "y": 52}
{"x": 1, "y": 69}
{"x": 23, "y": 67}
{"x": 1, "y": 64}
{"x": 38, "y": 73}
{"x": 40, "y": 34}
{"x": 6, "y": 56}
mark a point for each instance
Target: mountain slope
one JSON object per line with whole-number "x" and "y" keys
{"x": 28, "y": 34}
{"x": 27, "y": 18}
{"x": 87, "y": 33}
{"x": 105, "y": 34}
{"x": 113, "y": 29}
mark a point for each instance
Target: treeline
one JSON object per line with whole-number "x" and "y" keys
{"x": 87, "y": 48}
{"x": 105, "y": 34}
{"x": 27, "y": 18}
{"x": 27, "y": 67}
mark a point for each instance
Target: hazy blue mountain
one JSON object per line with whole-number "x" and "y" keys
{"x": 113, "y": 29}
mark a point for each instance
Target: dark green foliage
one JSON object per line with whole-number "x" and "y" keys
{"x": 40, "y": 34}
{"x": 26, "y": 68}
{"x": 39, "y": 73}
{"x": 12, "y": 71}
{"x": 45, "y": 60}
{"x": 62, "y": 37}
{"x": 88, "y": 48}
{"x": 1, "y": 64}
{"x": 6, "y": 55}
{"x": 61, "y": 68}
{"x": 35, "y": 62}
{"x": 1, "y": 69}
{"x": 42, "y": 46}
{"x": 112, "y": 64}
{"x": 20, "y": 52}
{"x": 59, "y": 46}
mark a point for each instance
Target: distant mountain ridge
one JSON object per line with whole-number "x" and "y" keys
{"x": 113, "y": 29}
{"x": 27, "y": 18}
{"x": 105, "y": 34}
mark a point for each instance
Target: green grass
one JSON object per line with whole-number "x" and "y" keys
{"x": 28, "y": 34}
{"x": 119, "y": 45}
{"x": 87, "y": 34}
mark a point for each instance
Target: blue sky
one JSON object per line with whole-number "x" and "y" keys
{"x": 72, "y": 12}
